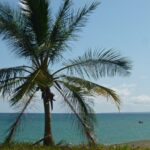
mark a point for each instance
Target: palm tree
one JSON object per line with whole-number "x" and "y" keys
{"x": 40, "y": 38}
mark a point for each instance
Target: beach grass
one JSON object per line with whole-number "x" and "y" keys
{"x": 80, "y": 147}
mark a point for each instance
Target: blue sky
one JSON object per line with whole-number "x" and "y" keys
{"x": 123, "y": 25}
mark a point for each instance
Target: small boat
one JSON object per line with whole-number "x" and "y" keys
{"x": 140, "y": 122}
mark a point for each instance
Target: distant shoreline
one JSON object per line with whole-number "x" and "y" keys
{"x": 135, "y": 144}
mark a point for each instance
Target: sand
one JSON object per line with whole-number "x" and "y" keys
{"x": 135, "y": 144}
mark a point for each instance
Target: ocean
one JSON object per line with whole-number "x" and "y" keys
{"x": 111, "y": 128}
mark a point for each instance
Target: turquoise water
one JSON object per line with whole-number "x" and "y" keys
{"x": 110, "y": 128}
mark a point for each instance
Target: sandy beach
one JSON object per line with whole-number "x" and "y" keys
{"x": 135, "y": 144}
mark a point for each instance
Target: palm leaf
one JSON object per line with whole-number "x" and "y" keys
{"x": 78, "y": 20}
{"x": 67, "y": 23}
{"x": 13, "y": 128}
{"x": 26, "y": 88}
{"x": 37, "y": 15}
{"x": 98, "y": 64}
{"x": 7, "y": 86}
{"x": 93, "y": 88}
{"x": 15, "y": 30}
{"x": 11, "y": 78}
{"x": 76, "y": 100}
{"x": 36, "y": 79}
{"x": 56, "y": 35}
{"x": 13, "y": 72}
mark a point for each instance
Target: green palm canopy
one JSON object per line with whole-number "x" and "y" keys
{"x": 39, "y": 37}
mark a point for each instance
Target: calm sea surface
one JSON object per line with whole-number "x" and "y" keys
{"x": 111, "y": 128}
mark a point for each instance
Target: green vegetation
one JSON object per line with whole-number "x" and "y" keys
{"x": 98, "y": 147}
{"x": 41, "y": 39}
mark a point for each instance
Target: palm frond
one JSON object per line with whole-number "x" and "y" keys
{"x": 75, "y": 98}
{"x": 98, "y": 64}
{"x": 14, "y": 29}
{"x": 7, "y": 86}
{"x": 36, "y": 79}
{"x": 93, "y": 88}
{"x": 13, "y": 128}
{"x": 5, "y": 12}
{"x": 37, "y": 15}
{"x": 66, "y": 25}
{"x": 13, "y": 72}
{"x": 78, "y": 20}
{"x": 26, "y": 88}
{"x": 11, "y": 78}
{"x": 57, "y": 35}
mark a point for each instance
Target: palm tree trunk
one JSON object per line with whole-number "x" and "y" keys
{"x": 48, "y": 140}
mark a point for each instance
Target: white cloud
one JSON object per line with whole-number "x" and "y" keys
{"x": 124, "y": 90}
{"x": 141, "y": 99}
